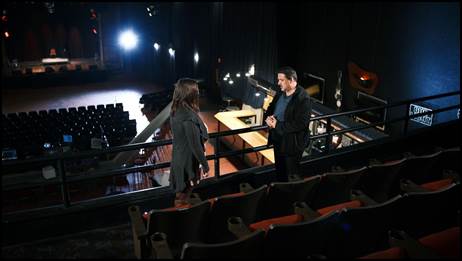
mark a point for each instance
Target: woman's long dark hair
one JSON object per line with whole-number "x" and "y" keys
{"x": 186, "y": 94}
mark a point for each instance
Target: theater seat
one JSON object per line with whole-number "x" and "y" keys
{"x": 180, "y": 224}
{"x": 244, "y": 206}
{"x": 380, "y": 181}
{"x": 423, "y": 213}
{"x": 299, "y": 240}
{"x": 361, "y": 230}
{"x": 445, "y": 244}
{"x": 281, "y": 196}
{"x": 336, "y": 187}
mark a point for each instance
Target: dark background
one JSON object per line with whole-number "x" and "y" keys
{"x": 412, "y": 47}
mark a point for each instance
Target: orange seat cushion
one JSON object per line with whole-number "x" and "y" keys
{"x": 437, "y": 185}
{"x": 391, "y": 253}
{"x": 349, "y": 204}
{"x": 264, "y": 224}
{"x": 445, "y": 243}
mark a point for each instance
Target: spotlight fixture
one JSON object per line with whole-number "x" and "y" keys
{"x": 171, "y": 51}
{"x": 196, "y": 57}
{"x": 50, "y": 6}
{"x": 92, "y": 14}
{"x": 156, "y": 46}
{"x": 128, "y": 40}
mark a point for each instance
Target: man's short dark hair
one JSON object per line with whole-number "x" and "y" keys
{"x": 289, "y": 72}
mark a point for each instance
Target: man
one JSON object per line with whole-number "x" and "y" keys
{"x": 288, "y": 117}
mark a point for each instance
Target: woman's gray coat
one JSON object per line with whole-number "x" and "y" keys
{"x": 189, "y": 135}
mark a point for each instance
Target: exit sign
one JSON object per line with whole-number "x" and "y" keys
{"x": 424, "y": 119}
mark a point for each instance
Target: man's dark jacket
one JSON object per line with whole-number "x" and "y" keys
{"x": 293, "y": 132}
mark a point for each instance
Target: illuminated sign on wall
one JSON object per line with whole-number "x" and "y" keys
{"x": 424, "y": 119}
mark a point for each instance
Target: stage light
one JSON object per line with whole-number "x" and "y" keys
{"x": 238, "y": 75}
{"x": 93, "y": 30}
{"x": 257, "y": 94}
{"x": 171, "y": 52}
{"x": 128, "y": 40}
{"x": 7, "y": 34}
{"x": 252, "y": 69}
{"x": 196, "y": 57}
{"x": 156, "y": 46}
{"x": 231, "y": 82}
{"x": 247, "y": 74}
{"x": 147, "y": 8}
{"x": 92, "y": 14}
{"x": 150, "y": 14}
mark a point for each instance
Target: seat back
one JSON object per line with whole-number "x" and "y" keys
{"x": 423, "y": 213}
{"x": 417, "y": 168}
{"x": 336, "y": 187}
{"x": 244, "y": 206}
{"x": 299, "y": 240}
{"x": 180, "y": 225}
{"x": 448, "y": 160}
{"x": 281, "y": 196}
{"x": 380, "y": 181}
{"x": 362, "y": 230}
{"x": 248, "y": 246}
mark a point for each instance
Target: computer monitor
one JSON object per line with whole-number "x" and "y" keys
{"x": 9, "y": 154}
{"x": 67, "y": 138}
{"x": 363, "y": 101}
{"x": 314, "y": 86}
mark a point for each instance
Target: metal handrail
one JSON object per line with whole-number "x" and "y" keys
{"x": 64, "y": 180}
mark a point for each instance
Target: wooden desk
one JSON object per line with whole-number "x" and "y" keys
{"x": 230, "y": 120}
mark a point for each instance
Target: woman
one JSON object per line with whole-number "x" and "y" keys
{"x": 189, "y": 135}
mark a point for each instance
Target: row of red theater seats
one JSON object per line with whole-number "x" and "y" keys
{"x": 217, "y": 232}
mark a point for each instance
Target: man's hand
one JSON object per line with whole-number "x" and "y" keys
{"x": 271, "y": 121}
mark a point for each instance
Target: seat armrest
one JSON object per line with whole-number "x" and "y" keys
{"x": 301, "y": 208}
{"x": 245, "y": 187}
{"x": 294, "y": 177}
{"x": 160, "y": 247}
{"x": 409, "y": 186}
{"x": 237, "y": 227}
{"x": 449, "y": 173}
{"x": 139, "y": 231}
{"x": 136, "y": 219}
{"x": 365, "y": 199}
{"x": 194, "y": 199}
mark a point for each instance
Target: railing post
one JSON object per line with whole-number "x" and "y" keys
{"x": 216, "y": 161}
{"x": 62, "y": 176}
{"x": 406, "y": 121}
{"x": 329, "y": 135}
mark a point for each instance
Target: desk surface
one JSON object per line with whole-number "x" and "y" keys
{"x": 231, "y": 120}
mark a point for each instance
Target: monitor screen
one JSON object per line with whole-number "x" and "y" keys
{"x": 314, "y": 86}
{"x": 9, "y": 154}
{"x": 363, "y": 101}
{"x": 67, "y": 138}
